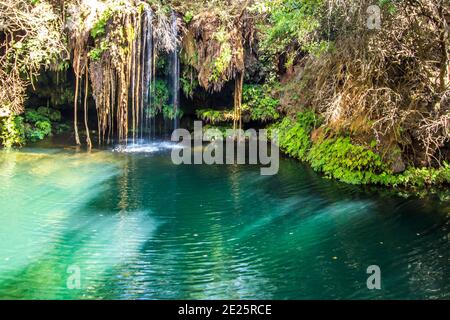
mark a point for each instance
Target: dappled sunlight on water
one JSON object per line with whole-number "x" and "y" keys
{"x": 138, "y": 226}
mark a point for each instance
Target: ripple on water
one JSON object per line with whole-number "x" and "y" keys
{"x": 140, "y": 227}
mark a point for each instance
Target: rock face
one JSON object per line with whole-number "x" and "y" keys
{"x": 397, "y": 163}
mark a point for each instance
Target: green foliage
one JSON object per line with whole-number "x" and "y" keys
{"x": 12, "y": 132}
{"x": 291, "y": 26}
{"x": 33, "y": 116}
{"x": 39, "y": 131}
{"x": 42, "y": 114}
{"x": 38, "y": 123}
{"x": 160, "y": 95}
{"x": 222, "y": 129}
{"x": 99, "y": 28}
{"x": 293, "y": 136}
{"x": 422, "y": 177}
{"x": 170, "y": 113}
{"x": 162, "y": 66}
{"x": 189, "y": 82}
{"x": 160, "y": 102}
{"x": 344, "y": 161}
{"x": 259, "y": 103}
{"x": 340, "y": 159}
{"x": 96, "y": 53}
{"x": 51, "y": 114}
{"x": 388, "y": 5}
{"x": 188, "y": 16}
{"x": 213, "y": 116}
{"x": 222, "y": 62}
{"x": 62, "y": 127}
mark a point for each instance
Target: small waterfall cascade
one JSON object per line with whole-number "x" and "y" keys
{"x": 146, "y": 109}
{"x": 148, "y": 78}
{"x": 175, "y": 74}
{"x": 124, "y": 83}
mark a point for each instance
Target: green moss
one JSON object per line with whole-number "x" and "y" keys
{"x": 339, "y": 158}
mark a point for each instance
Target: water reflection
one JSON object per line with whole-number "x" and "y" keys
{"x": 141, "y": 228}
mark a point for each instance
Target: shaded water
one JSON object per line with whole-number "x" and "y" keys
{"x": 139, "y": 227}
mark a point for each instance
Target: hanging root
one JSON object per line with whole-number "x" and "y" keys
{"x": 86, "y": 92}
{"x": 119, "y": 78}
{"x": 75, "y": 107}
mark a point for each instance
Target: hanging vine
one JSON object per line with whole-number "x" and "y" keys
{"x": 114, "y": 40}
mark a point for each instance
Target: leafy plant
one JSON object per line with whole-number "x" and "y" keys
{"x": 189, "y": 82}
{"x": 38, "y": 123}
{"x": 51, "y": 114}
{"x": 258, "y": 101}
{"x": 188, "y": 16}
{"x": 39, "y": 131}
{"x": 12, "y": 132}
{"x": 340, "y": 159}
{"x": 293, "y": 136}
{"x": 221, "y": 63}
{"x": 33, "y": 116}
{"x": 99, "y": 28}
{"x": 160, "y": 95}
{"x": 292, "y": 25}
{"x": 96, "y": 53}
{"x": 214, "y": 116}
{"x": 169, "y": 112}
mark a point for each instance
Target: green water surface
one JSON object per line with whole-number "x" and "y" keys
{"x": 138, "y": 227}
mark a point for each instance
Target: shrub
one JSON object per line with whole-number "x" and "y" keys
{"x": 33, "y": 116}
{"x": 170, "y": 113}
{"x": 258, "y": 101}
{"x": 340, "y": 159}
{"x": 293, "y": 136}
{"x": 12, "y": 132}
{"x": 49, "y": 114}
{"x": 39, "y": 131}
{"x": 422, "y": 177}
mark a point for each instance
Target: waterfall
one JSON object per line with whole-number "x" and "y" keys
{"x": 148, "y": 67}
{"x": 146, "y": 70}
{"x": 175, "y": 66}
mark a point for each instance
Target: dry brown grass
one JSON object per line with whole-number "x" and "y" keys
{"x": 392, "y": 82}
